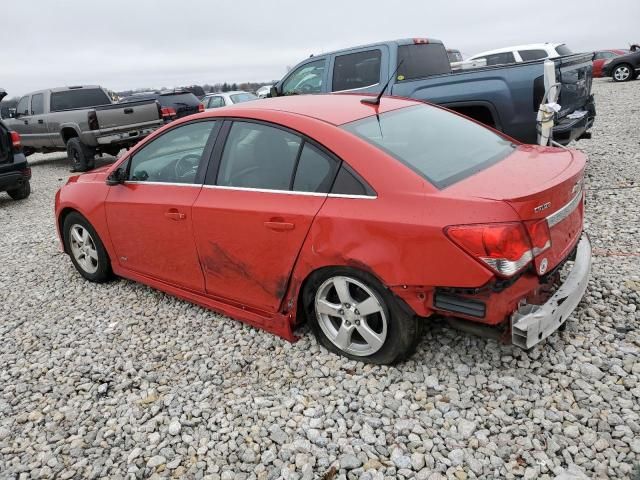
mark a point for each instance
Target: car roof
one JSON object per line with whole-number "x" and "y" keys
{"x": 529, "y": 46}
{"x": 336, "y": 109}
{"x": 401, "y": 41}
{"x": 233, "y": 92}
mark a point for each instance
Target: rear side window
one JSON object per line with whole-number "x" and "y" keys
{"x": 422, "y": 60}
{"x": 528, "y": 55}
{"x": 37, "y": 104}
{"x": 500, "y": 58}
{"x": 216, "y": 102}
{"x": 440, "y": 146}
{"x": 315, "y": 171}
{"x": 563, "y": 50}
{"x": 349, "y": 182}
{"x": 79, "y": 98}
{"x": 356, "y": 70}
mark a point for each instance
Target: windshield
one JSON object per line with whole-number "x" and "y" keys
{"x": 563, "y": 50}
{"x": 242, "y": 97}
{"x": 439, "y": 145}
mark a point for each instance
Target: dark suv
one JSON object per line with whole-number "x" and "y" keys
{"x": 14, "y": 169}
{"x": 174, "y": 103}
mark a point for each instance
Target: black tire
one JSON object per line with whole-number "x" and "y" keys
{"x": 102, "y": 272}
{"x": 403, "y": 330}
{"x": 82, "y": 158}
{"x": 22, "y": 192}
{"x": 622, "y": 73}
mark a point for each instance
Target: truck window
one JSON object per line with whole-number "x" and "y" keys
{"x": 306, "y": 79}
{"x": 528, "y": 55}
{"x": 563, "y": 50}
{"x": 356, "y": 70}
{"x": 78, "y": 98}
{"x": 23, "y": 106}
{"x": 438, "y": 145}
{"x": 37, "y": 104}
{"x": 500, "y": 58}
{"x": 422, "y": 60}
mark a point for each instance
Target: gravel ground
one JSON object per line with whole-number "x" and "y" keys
{"x": 122, "y": 381}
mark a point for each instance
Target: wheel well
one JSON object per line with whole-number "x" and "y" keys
{"x": 478, "y": 112}
{"x": 68, "y": 133}
{"x": 61, "y": 218}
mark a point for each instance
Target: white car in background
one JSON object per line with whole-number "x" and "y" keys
{"x": 522, "y": 53}
{"x": 263, "y": 91}
{"x": 222, "y": 99}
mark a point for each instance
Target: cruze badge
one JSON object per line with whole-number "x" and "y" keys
{"x": 543, "y": 266}
{"x": 542, "y": 207}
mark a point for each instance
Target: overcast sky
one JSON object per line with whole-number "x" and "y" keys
{"x": 124, "y": 44}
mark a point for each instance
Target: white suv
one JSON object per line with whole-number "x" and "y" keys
{"x": 523, "y": 53}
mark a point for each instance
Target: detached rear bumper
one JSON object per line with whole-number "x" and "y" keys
{"x": 531, "y": 324}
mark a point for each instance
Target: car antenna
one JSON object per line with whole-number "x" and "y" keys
{"x": 376, "y": 101}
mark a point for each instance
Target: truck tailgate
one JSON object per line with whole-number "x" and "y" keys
{"x": 574, "y": 72}
{"x": 128, "y": 115}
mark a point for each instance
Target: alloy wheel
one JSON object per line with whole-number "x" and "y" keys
{"x": 622, "y": 73}
{"x": 83, "y": 248}
{"x": 351, "y": 316}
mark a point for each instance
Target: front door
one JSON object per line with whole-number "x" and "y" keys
{"x": 150, "y": 215}
{"x": 251, "y": 222}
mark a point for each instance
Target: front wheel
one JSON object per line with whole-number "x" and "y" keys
{"x": 22, "y": 192}
{"x": 622, "y": 73}
{"x": 352, "y": 315}
{"x": 85, "y": 249}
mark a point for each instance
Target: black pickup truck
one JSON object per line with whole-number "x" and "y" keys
{"x": 14, "y": 169}
{"x": 505, "y": 97}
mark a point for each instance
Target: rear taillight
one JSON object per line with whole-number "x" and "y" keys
{"x": 506, "y": 248}
{"x": 167, "y": 113}
{"x": 200, "y": 108}
{"x": 16, "y": 144}
{"x": 92, "y": 118}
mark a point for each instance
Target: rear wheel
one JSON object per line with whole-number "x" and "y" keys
{"x": 85, "y": 248}
{"x": 622, "y": 73}
{"x": 22, "y": 192}
{"x": 353, "y": 315}
{"x": 81, "y": 156}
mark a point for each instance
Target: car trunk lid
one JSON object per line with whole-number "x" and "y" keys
{"x": 538, "y": 183}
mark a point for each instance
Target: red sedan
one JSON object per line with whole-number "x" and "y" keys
{"x": 602, "y": 56}
{"x": 362, "y": 219}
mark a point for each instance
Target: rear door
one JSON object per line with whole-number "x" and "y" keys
{"x": 150, "y": 215}
{"x": 22, "y": 121}
{"x": 255, "y": 211}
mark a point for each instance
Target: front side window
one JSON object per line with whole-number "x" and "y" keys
{"x": 173, "y": 157}
{"x": 500, "y": 58}
{"x": 216, "y": 102}
{"x": 258, "y": 156}
{"x": 440, "y": 146}
{"x": 242, "y": 97}
{"x": 306, "y": 79}
{"x": 37, "y": 104}
{"x": 528, "y": 55}
{"x": 78, "y": 98}
{"x": 23, "y": 106}
{"x": 356, "y": 70}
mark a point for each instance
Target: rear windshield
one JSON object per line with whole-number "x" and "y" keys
{"x": 422, "y": 60}
{"x": 440, "y": 146}
{"x": 563, "y": 50}
{"x": 188, "y": 99}
{"x": 80, "y": 98}
{"x": 242, "y": 97}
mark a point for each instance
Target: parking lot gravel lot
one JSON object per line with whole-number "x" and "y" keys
{"x": 122, "y": 381}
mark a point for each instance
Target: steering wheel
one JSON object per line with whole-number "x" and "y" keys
{"x": 187, "y": 166}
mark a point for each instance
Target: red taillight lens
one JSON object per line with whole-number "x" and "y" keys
{"x": 504, "y": 247}
{"x": 15, "y": 140}
{"x": 167, "y": 112}
{"x": 92, "y": 118}
{"x": 539, "y": 235}
{"x": 200, "y": 108}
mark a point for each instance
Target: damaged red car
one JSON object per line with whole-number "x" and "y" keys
{"x": 363, "y": 218}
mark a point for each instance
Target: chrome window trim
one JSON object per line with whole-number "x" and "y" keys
{"x": 288, "y": 192}
{"x": 558, "y": 216}
{"x": 139, "y": 182}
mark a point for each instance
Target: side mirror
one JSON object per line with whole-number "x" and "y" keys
{"x": 273, "y": 91}
{"x": 13, "y": 113}
{"x": 117, "y": 177}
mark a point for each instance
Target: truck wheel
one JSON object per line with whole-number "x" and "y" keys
{"x": 81, "y": 156}
{"x": 22, "y": 192}
{"x": 622, "y": 73}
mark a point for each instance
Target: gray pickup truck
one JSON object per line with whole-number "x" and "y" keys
{"x": 505, "y": 97}
{"x": 83, "y": 121}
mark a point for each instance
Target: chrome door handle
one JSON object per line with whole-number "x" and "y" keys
{"x": 174, "y": 214}
{"x": 279, "y": 226}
